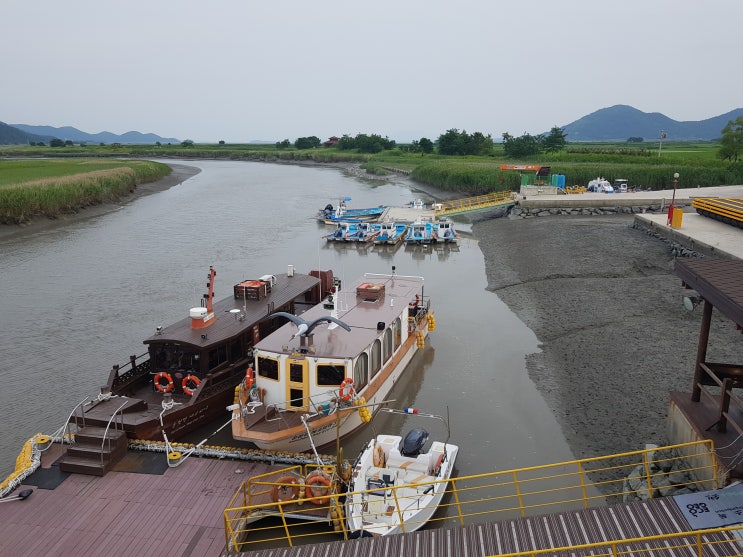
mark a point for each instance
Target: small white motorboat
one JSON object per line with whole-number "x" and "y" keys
{"x": 396, "y": 486}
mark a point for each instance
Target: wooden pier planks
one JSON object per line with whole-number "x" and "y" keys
{"x": 178, "y": 512}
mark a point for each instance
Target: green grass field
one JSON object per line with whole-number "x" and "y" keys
{"x": 74, "y": 176}
{"x": 50, "y": 187}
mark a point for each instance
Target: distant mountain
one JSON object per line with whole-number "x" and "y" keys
{"x": 620, "y": 122}
{"x": 10, "y": 135}
{"x": 77, "y": 136}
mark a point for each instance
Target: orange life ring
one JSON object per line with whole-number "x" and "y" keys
{"x": 346, "y": 395}
{"x": 189, "y": 384}
{"x": 164, "y": 387}
{"x": 286, "y": 489}
{"x": 437, "y": 468}
{"x": 311, "y": 492}
{"x": 249, "y": 379}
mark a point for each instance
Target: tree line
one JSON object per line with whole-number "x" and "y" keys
{"x": 453, "y": 142}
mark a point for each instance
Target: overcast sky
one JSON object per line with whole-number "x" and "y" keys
{"x": 242, "y": 70}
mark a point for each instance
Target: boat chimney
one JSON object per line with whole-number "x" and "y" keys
{"x": 202, "y": 317}
{"x": 290, "y": 271}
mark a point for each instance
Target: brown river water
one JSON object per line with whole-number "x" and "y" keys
{"x": 80, "y": 297}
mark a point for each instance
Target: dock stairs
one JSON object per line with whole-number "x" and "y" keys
{"x": 95, "y": 451}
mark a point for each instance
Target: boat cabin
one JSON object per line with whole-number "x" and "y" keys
{"x": 305, "y": 372}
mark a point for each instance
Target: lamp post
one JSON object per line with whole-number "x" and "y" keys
{"x": 673, "y": 199}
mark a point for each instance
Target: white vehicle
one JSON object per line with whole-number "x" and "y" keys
{"x": 600, "y": 185}
{"x": 620, "y": 185}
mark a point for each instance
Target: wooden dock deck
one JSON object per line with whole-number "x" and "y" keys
{"x": 144, "y": 507}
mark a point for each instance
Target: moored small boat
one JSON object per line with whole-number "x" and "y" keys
{"x": 444, "y": 232}
{"x": 332, "y": 215}
{"x": 316, "y": 375}
{"x": 419, "y": 233}
{"x": 390, "y": 233}
{"x": 395, "y": 485}
{"x": 363, "y": 232}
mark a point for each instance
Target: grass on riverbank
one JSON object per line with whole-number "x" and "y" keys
{"x": 31, "y": 188}
{"x": 644, "y": 166}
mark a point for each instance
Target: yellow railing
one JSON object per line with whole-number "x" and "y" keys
{"x": 473, "y": 203}
{"x": 486, "y": 497}
{"x": 728, "y": 207}
{"x": 688, "y": 543}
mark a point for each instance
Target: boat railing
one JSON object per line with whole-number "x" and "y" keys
{"x": 226, "y": 379}
{"x": 317, "y": 405}
{"x": 116, "y": 423}
{"x": 64, "y": 433}
{"x": 130, "y": 372}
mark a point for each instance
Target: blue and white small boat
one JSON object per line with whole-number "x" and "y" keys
{"x": 362, "y": 232}
{"x": 333, "y": 215}
{"x": 390, "y": 232}
{"x": 444, "y": 232}
{"x": 342, "y": 230}
{"x": 419, "y": 233}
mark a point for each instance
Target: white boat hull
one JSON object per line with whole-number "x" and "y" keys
{"x": 404, "y": 493}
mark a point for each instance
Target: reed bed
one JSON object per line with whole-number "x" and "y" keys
{"x": 53, "y": 196}
{"x": 479, "y": 178}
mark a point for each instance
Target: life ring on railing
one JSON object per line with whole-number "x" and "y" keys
{"x": 346, "y": 395}
{"x": 189, "y": 384}
{"x": 286, "y": 489}
{"x": 163, "y": 387}
{"x": 379, "y": 458}
{"x": 318, "y": 487}
{"x": 249, "y": 378}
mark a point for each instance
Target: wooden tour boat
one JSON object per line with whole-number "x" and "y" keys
{"x": 317, "y": 377}
{"x": 188, "y": 375}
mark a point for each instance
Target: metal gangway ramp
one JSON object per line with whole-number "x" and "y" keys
{"x": 501, "y": 199}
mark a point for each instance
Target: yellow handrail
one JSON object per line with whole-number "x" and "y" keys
{"x": 494, "y": 495}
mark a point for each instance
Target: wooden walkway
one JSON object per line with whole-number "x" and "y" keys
{"x": 143, "y": 507}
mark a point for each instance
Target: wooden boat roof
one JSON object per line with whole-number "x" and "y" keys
{"x": 226, "y": 325}
{"x": 359, "y": 313}
{"x": 720, "y": 282}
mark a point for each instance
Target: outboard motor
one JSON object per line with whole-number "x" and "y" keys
{"x": 413, "y": 442}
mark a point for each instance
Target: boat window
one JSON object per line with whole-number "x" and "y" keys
{"x": 387, "y": 345}
{"x": 376, "y": 357}
{"x": 296, "y": 372}
{"x": 236, "y": 350}
{"x": 268, "y": 368}
{"x": 330, "y": 374}
{"x": 172, "y": 358}
{"x": 361, "y": 372}
{"x": 396, "y": 333}
{"x": 217, "y": 356}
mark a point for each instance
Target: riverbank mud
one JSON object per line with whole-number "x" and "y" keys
{"x": 606, "y": 305}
